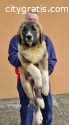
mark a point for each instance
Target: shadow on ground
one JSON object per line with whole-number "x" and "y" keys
{"x": 9, "y": 111}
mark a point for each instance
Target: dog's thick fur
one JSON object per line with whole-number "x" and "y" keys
{"x": 34, "y": 62}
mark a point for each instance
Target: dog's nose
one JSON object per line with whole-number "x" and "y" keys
{"x": 29, "y": 37}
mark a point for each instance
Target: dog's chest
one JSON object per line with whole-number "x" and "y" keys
{"x": 33, "y": 55}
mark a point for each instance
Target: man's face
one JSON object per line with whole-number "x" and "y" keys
{"x": 32, "y": 16}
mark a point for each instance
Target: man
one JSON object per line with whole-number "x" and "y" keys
{"x": 13, "y": 59}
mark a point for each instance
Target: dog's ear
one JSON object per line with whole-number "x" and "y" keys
{"x": 19, "y": 38}
{"x": 41, "y": 37}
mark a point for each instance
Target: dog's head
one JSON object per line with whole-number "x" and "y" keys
{"x": 30, "y": 33}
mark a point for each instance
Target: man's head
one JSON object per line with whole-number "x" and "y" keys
{"x": 32, "y": 16}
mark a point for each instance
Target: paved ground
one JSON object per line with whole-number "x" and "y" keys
{"x": 9, "y": 111}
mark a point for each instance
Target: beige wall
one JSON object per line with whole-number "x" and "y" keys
{"x": 55, "y": 25}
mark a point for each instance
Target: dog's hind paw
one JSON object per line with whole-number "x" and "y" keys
{"x": 39, "y": 117}
{"x": 41, "y": 103}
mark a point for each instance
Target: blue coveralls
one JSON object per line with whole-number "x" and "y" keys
{"x": 26, "y": 112}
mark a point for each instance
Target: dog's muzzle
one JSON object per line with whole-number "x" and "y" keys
{"x": 29, "y": 38}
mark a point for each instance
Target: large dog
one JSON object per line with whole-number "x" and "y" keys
{"x": 32, "y": 53}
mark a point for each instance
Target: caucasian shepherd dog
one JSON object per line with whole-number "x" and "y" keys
{"x": 32, "y": 53}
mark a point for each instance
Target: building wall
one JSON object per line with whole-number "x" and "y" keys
{"x": 55, "y": 25}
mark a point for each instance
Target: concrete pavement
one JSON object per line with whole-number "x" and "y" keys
{"x": 9, "y": 111}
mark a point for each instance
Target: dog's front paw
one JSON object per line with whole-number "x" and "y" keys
{"x": 41, "y": 103}
{"x": 39, "y": 117}
{"x": 45, "y": 83}
{"x": 38, "y": 79}
{"x": 38, "y": 82}
{"x": 36, "y": 74}
{"x": 45, "y": 89}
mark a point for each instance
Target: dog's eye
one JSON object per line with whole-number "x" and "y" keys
{"x": 33, "y": 28}
{"x": 24, "y": 30}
